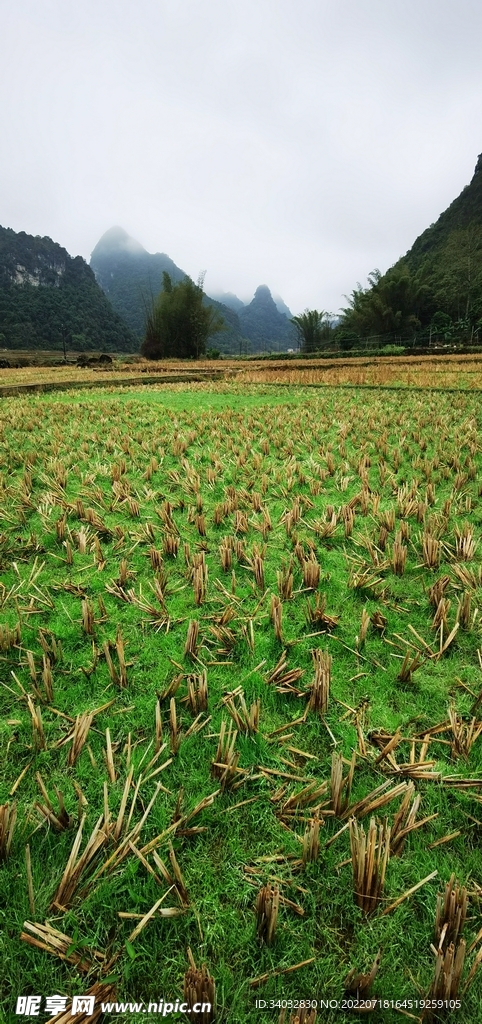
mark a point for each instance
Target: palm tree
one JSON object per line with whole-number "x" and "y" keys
{"x": 313, "y": 328}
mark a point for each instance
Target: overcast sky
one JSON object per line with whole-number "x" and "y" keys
{"x": 294, "y": 143}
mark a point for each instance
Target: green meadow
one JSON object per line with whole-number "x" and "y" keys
{"x": 241, "y": 686}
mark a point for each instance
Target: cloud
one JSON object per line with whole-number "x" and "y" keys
{"x": 298, "y": 143}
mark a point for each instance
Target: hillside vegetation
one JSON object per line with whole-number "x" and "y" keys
{"x": 435, "y": 291}
{"x": 48, "y": 298}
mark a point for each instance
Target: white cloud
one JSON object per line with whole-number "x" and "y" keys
{"x": 294, "y": 142}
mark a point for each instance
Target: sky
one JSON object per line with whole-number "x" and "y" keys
{"x": 294, "y": 143}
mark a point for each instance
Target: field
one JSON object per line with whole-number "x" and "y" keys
{"x": 241, "y": 667}
{"x": 434, "y": 371}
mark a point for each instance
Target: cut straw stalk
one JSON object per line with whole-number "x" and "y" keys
{"x": 267, "y": 906}
{"x": 320, "y": 687}
{"x": 450, "y": 914}
{"x": 369, "y": 855}
{"x": 45, "y": 937}
{"x": 75, "y": 868}
{"x": 199, "y": 989}
{"x": 8, "y": 817}
{"x": 340, "y": 787}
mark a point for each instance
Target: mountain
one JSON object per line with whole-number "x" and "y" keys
{"x": 281, "y": 306}
{"x": 131, "y": 277}
{"x": 48, "y": 297}
{"x": 448, "y": 255}
{"x": 264, "y": 325}
{"x": 434, "y": 292}
{"x": 230, "y": 300}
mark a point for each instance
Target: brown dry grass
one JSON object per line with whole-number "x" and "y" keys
{"x": 416, "y": 371}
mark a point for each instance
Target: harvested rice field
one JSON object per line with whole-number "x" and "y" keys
{"x": 241, "y": 700}
{"x": 434, "y": 371}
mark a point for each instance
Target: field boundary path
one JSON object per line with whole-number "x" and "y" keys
{"x": 12, "y": 390}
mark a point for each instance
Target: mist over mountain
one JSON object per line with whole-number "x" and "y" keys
{"x": 230, "y": 300}
{"x": 264, "y": 325}
{"x": 48, "y": 297}
{"x": 281, "y": 306}
{"x": 131, "y": 277}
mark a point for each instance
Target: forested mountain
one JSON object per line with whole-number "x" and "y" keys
{"x": 231, "y": 300}
{"x": 131, "y": 278}
{"x": 264, "y": 325}
{"x": 449, "y": 254}
{"x": 435, "y": 290}
{"x": 48, "y": 298}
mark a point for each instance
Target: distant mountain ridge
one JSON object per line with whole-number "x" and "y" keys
{"x": 263, "y": 323}
{"x": 131, "y": 277}
{"x": 48, "y": 298}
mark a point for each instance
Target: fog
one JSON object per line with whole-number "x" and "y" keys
{"x": 297, "y": 144}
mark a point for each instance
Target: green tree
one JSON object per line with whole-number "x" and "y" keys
{"x": 314, "y": 329}
{"x": 180, "y": 321}
{"x": 390, "y": 305}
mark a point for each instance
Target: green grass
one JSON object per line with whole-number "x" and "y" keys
{"x": 65, "y": 454}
